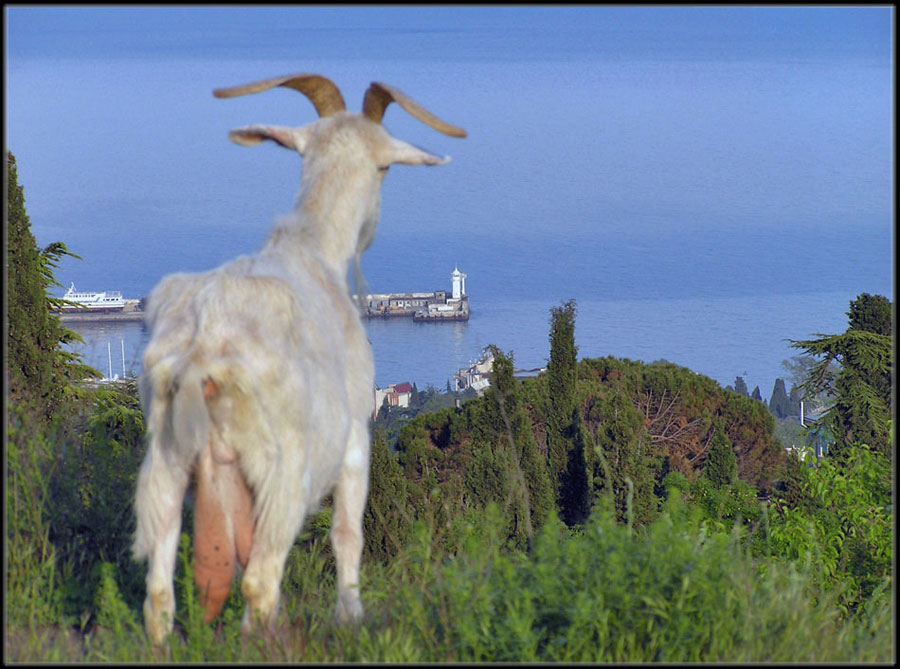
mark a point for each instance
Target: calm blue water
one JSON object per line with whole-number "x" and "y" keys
{"x": 706, "y": 184}
{"x": 721, "y": 337}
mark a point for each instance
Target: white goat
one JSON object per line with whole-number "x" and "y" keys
{"x": 257, "y": 381}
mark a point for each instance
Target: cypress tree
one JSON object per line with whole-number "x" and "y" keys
{"x": 622, "y": 454}
{"x": 575, "y": 485}
{"x": 756, "y": 394}
{"x": 528, "y": 482}
{"x": 30, "y": 368}
{"x": 740, "y": 386}
{"x": 721, "y": 462}
{"x": 794, "y": 401}
{"x": 38, "y": 370}
{"x": 561, "y": 378}
{"x": 779, "y": 404}
{"x": 386, "y": 520}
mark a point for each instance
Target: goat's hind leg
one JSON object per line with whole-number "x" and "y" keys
{"x": 347, "y": 523}
{"x": 160, "y": 494}
{"x": 274, "y": 534}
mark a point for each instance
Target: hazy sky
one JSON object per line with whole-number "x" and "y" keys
{"x": 52, "y": 32}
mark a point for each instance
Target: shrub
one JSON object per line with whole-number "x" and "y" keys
{"x": 673, "y": 592}
{"x": 842, "y": 524}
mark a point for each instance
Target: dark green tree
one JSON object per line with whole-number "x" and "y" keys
{"x": 575, "y": 484}
{"x": 721, "y": 462}
{"x": 562, "y": 373}
{"x": 387, "y": 518}
{"x": 861, "y": 388}
{"x": 531, "y": 492}
{"x": 38, "y": 369}
{"x": 740, "y": 386}
{"x": 384, "y": 411}
{"x": 871, "y": 313}
{"x": 779, "y": 403}
{"x": 623, "y": 463}
{"x": 414, "y": 399}
{"x": 794, "y": 398}
{"x": 756, "y": 394}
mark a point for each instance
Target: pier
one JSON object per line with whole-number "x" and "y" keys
{"x": 436, "y": 306}
{"x": 130, "y": 313}
{"x": 440, "y": 305}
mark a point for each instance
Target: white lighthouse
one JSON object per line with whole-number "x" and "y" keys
{"x": 459, "y": 283}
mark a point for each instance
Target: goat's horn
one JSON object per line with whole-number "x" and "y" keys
{"x": 322, "y": 92}
{"x": 379, "y": 96}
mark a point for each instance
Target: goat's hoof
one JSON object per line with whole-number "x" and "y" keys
{"x": 255, "y": 620}
{"x": 348, "y": 611}
{"x": 158, "y": 624}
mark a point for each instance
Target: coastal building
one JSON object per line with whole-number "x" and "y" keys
{"x": 435, "y": 306}
{"x": 397, "y": 395}
{"x": 477, "y": 376}
{"x": 817, "y": 435}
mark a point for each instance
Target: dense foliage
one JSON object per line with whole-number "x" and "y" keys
{"x": 862, "y": 387}
{"x": 872, "y": 313}
{"x": 644, "y": 539}
{"x": 840, "y": 518}
{"x": 390, "y": 420}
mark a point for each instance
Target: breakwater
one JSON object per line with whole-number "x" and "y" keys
{"x": 436, "y": 306}
{"x": 441, "y": 305}
{"x": 130, "y": 313}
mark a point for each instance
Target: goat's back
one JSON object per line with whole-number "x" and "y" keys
{"x": 284, "y": 354}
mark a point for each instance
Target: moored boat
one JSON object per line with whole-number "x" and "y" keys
{"x": 103, "y": 302}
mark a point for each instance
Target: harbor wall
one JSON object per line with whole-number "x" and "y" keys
{"x": 130, "y": 313}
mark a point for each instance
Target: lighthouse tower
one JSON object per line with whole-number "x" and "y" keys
{"x": 459, "y": 283}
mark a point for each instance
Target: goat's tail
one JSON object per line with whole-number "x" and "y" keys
{"x": 204, "y": 393}
{"x": 190, "y": 415}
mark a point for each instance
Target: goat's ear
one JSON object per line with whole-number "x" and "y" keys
{"x": 407, "y": 154}
{"x": 290, "y": 138}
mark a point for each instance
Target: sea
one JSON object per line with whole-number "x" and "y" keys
{"x": 707, "y": 187}
{"x": 720, "y": 331}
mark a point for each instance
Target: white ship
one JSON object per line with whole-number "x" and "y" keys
{"x": 110, "y": 300}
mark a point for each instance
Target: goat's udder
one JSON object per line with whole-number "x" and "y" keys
{"x": 223, "y": 529}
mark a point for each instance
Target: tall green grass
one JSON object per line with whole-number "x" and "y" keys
{"x": 691, "y": 586}
{"x": 671, "y": 592}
